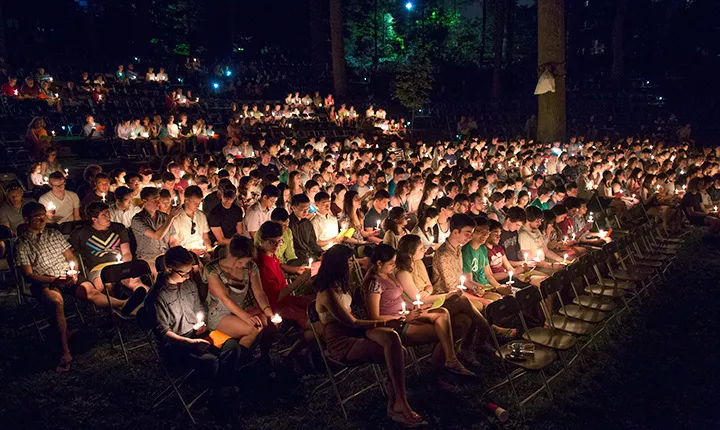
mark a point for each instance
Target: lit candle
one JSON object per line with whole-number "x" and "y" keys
{"x": 539, "y": 253}
{"x": 602, "y": 234}
{"x": 46, "y": 179}
{"x": 200, "y": 317}
{"x": 682, "y": 172}
{"x": 404, "y": 310}
{"x": 715, "y": 208}
{"x": 182, "y": 173}
{"x": 378, "y": 225}
{"x": 72, "y": 270}
{"x": 565, "y": 257}
{"x": 343, "y": 226}
{"x": 51, "y": 206}
{"x": 103, "y": 196}
{"x": 53, "y": 132}
{"x": 119, "y": 258}
{"x": 510, "y": 275}
{"x": 526, "y": 257}
{"x": 462, "y": 283}
{"x": 66, "y": 172}
{"x": 633, "y": 196}
{"x": 175, "y": 201}
{"x": 684, "y": 187}
{"x": 565, "y": 239}
{"x": 276, "y": 319}
{"x": 573, "y": 236}
{"x": 310, "y": 263}
{"x": 417, "y": 301}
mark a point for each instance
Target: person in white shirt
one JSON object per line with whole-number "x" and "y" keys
{"x": 172, "y": 129}
{"x": 533, "y": 243}
{"x": 123, "y": 210}
{"x": 124, "y": 130}
{"x": 62, "y": 206}
{"x": 260, "y": 212}
{"x": 90, "y": 128}
{"x": 161, "y": 76}
{"x": 324, "y": 222}
{"x": 230, "y": 149}
{"x": 191, "y": 226}
{"x": 150, "y": 75}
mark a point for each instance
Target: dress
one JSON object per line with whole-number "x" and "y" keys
{"x": 237, "y": 290}
{"x": 339, "y": 338}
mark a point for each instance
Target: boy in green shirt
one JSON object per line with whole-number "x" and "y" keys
{"x": 476, "y": 265}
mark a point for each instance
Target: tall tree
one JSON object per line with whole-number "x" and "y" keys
{"x": 618, "y": 41}
{"x": 551, "y": 55}
{"x": 338, "y": 48}
{"x": 501, "y": 7}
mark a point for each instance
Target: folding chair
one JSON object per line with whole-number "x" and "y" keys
{"x": 7, "y": 264}
{"x": 606, "y": 286}
{"x": 176, "y": 381}
{"x": 542, "y": 357}
{"x": 346, "y": 369}
{"x": 529, "y": 298}
{"x": 114, "y": 275}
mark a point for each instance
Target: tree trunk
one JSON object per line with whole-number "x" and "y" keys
{"x": 484, "y": 28}
{"x": 498, "y": 38}
{"x": 618, "y": 41}
{"x": 551, "y": 53}
{"x": 338, "y": 48}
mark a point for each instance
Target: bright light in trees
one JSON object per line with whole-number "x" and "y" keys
{"x": 408, "y": 5}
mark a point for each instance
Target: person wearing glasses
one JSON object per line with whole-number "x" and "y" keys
{"x": 152, "y": 228}
{"x": 277, "y": 290}
{"x": 191, "y": 226}
{"x": 172, "y": 307}
{"x": 62, "y": 205}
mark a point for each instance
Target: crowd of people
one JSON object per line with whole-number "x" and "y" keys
{"x": 252, "y": 234}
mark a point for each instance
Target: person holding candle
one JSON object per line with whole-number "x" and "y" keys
{"x": 225, "y": 218}
{"x": 466, "y": 320}
{"x": 692, "y": 205}
{"x": 375, "y": 215}
{"x": 152, "y": 228}
{"x": 353, "y": 217}
{"x": 100, "y": 193}
{"x": 476, "y": 266}
{"x": 383, "y": 297}
{"x": 304, "y": 238}
{"x": 100, "y": 243}
{"x": 172, "y": 307}
{"x": 353, "y": 340}
{"x": 324, "y": 223}
{"x": 289, "y": 260}
{"x": 44, "y": 256}
{"x": 532, "y": 241}
{"x": 501, "y": 266}
{"x": 259, "y": 213}
{"x": 67, "y": 203}
{"x": 427, "y": 229}
{"x": 394, "y": 226}
{"x": 191, "y": 224}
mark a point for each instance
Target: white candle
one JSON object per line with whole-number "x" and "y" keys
{"x": 378, "y": 225}
{"x": 51, "y": 206}
{"x": 417, "y": 301}
{"x": 404, "y": 310}
{"x": 573, "y": 236}
{"x": 526, "y": 257}
{"x": 539, "y": 253}
{"x": 310, "y": 261}
{"x": 72, "y": 269}
{"x": 66, "y": 172}
{"x": 462, "y": 283}
{"x": 715, "y": 208}
{"x": 510, "y": 275}
{"x": 565, "y": 257}
{"x": 276, "y": 319}
{"x": 565, "y": 239}
{"x": 119, "y": 258}
{"x": 46, "y": 179}
{"x": 602, "y": 234}
{"x": 182, "y": 173}
{"x": 175, "y": 201}
{"x": 103, "y": 196}
{"x": 200, "y": 317}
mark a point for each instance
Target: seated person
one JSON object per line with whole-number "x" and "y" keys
{"x": 172, "y": 307}
{"x": 467, "y": 322}
{"x": 276, "y": 288}
{"x": 62, "y": 205}
{"x": 11, "y": 211}
{"x": 324, "y": 222}
{"x": 501, "y": 266}
{"x": 123, "y": 210}
{"x": 152, "y": 228}
{"x": 304, "y": 239}
{"x": 353, "y": 340}
{"x": 375, "y": 216}
{"x": 691, "y": 203}
{"x": 102, "y": 243}
{"x": 44, "y": 257}
{"x": 259, "y": 212}
{"x": 225, "y": 219}
{"x": 476, "y": 265}
{"x": 394, "y": 226}
{"x": 100, "y": 193}
{"x": 191, "y": 226}
{"x": 383, "y": 297}
{"x": 533, "y": 242}
{"x": 286, "y": 252}
{"x": 229, "y": 281}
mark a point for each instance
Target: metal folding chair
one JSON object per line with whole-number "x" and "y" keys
{"x": 114, "y": 275}
{"x": 334, "y": 378}
{"x": 542, "y": 357}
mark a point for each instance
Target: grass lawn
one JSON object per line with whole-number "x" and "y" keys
{"x": 651, "y": 369}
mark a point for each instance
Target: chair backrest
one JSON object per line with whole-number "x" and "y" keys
{"x": 117, "y": 272}
{"x": 67, "y": 228}
{"x": 549, "y": 286}
{"x": 528, "y": 297}
{"x": 501, "y": 309}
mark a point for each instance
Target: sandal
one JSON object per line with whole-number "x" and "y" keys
{"x": 63, "y": 366}
{"x": 458, "y": 368}
{"x": 414, "y": 420}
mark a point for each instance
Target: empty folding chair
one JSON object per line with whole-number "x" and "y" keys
{"x": 114, "y": 275}
{"x": 606, "y": 286}
{"x": 510, "y": 353}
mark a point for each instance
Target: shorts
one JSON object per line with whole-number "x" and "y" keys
{"x": 36, "y": 289}
{"x": 402, "y": 330}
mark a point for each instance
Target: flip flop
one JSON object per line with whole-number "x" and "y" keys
{"x": 414, "y": 420}
{"x": 461, "y": 371}
{"x": 63, "y": 366}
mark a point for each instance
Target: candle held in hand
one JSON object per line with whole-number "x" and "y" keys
{"x": 51, "y": 206}
{"x": 276, "y": 319}
{"x": 510, "y": 275}
{"x": 417, "y": 301}
{"x": 103, "y": 197}
{"x": 462, "y": 283}
{"x": 404, "y": 310}
{"x": 119, "y": 258}
{"x": 565, "y": 257}
{"x": 200, "y": 318}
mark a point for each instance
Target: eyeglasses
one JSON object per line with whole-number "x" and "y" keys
{"x": 183, "y": 274}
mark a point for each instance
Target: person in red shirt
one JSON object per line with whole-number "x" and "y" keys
{"x": 10, "y": 88}
{"x": 277, "y": 290}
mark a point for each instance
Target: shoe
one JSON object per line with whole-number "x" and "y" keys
{"x": 409, "y": 421}
{"x": 134, "y": 301}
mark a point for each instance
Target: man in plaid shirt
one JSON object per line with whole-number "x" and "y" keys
{"x": 44, "y": 256}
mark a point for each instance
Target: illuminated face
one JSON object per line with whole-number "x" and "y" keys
{"x": 193, "y": 203}
{"x": 103, "y": 219}
{"x": 102, "y": 185}
{"x": 481, "y": 234}
{"x": 301, "y": 210}
{"x": 124, "y": 204}
{"x": 387, "y": 267}
{"x": 494, "y": 237}
{"x": 465, "y": 235}
{"x": 323, "y": 206}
